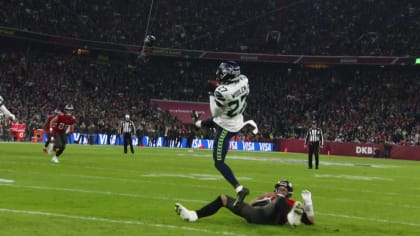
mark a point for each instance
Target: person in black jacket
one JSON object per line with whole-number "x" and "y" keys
{"x": 314, "y": 140}
{"x": 127, "y": 129}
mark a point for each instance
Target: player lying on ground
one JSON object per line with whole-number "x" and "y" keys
{"x": 275, "y": 208}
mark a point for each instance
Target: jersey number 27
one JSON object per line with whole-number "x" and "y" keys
{"x": 237, "y": 106}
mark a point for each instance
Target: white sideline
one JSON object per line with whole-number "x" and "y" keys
{"x": 105, "y": 220}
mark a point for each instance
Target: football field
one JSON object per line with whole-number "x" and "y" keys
{"x": 97, "y": 190}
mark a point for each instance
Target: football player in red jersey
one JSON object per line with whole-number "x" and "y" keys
{"x": 60, "y": 126}
{"x": 275, "y": 208}
{"x": 49, "y": 145}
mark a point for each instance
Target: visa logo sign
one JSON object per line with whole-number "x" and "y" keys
{"x": 266, "y": 147}
{"x": 234, "y": 145}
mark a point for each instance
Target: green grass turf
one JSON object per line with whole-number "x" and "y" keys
{"x": 97, "y": 190}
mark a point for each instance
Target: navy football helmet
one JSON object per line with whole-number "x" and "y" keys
{"x": 228, "y": 72}
{"x": 284, "y": 183}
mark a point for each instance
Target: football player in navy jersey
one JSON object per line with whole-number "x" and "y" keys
{"x": 227, "y": 105}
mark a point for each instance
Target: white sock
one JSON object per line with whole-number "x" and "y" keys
{"x": 194, "y": 216}
{"x": 50, "y": 147}
{"x": 309, "y": 210}
{"x": 239, "y": 188}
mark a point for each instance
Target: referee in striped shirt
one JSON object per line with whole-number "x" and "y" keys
{"x": 127, "y": 128}
{"x": 314, "y": 140}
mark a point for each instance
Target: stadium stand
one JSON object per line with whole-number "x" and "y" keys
{"x": 317, "y": 27}
{"x": 354, "y": 103}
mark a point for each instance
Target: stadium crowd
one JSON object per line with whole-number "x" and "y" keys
{"x": 361, "y": 104}
{"x": 329, "y": 27}
{"x": 356, "y": 104}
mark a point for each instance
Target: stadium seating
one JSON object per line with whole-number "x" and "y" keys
{"x": 320, "y": 27}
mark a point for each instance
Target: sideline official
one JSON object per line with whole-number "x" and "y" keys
{"x": 127, "y": 129}
{"x": 314, "y": 140}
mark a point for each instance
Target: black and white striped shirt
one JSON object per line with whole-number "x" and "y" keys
{"x": 127, "y": 126}
{"x": 314, "y": 135}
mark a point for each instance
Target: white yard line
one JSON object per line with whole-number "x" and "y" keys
{"x": 99, "y": 192}
{"x": 7, "y": 181}
{"x": 113, "y": 221}
{"x": 353, "y": 177}
{"x": 199, "y": 201}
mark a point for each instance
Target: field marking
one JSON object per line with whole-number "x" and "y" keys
{"x": 409, "y": 206}
{"x": 177, "y": 199}
{"x": 353, "y": 177}
{"x": 6, "y": 180}
{"x": 99, "y": 192}
{"x": 203, "y": 177}
{"x": 193, "y": 200}
{"x": 370, "y": 219}
{"x": 173, "y": 199}
{"x": 130, "y": 222}
{"x": 204, "y": 155}
{"x": 106, "y": 220}
{"x": 194, "y": 176}
{"x": 289, "y": 160}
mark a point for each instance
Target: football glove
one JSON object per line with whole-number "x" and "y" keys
{"x": 195, "y": 116}
{"x": 307, "y": 197}
{"x": 295, "y": 215}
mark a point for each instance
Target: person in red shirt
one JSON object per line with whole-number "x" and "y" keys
{"x": 60, "y": 126}
{"x": 49, "y": 145}
{"x": 274, "y": 208}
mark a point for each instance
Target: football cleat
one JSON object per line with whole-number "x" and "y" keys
{"x": 195, "y": 116}
{"x": 295, "y": 215}
{"x": 185, "y": 214}
{"x": 240, "y": 197}
{"x": 55, "y": 160}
